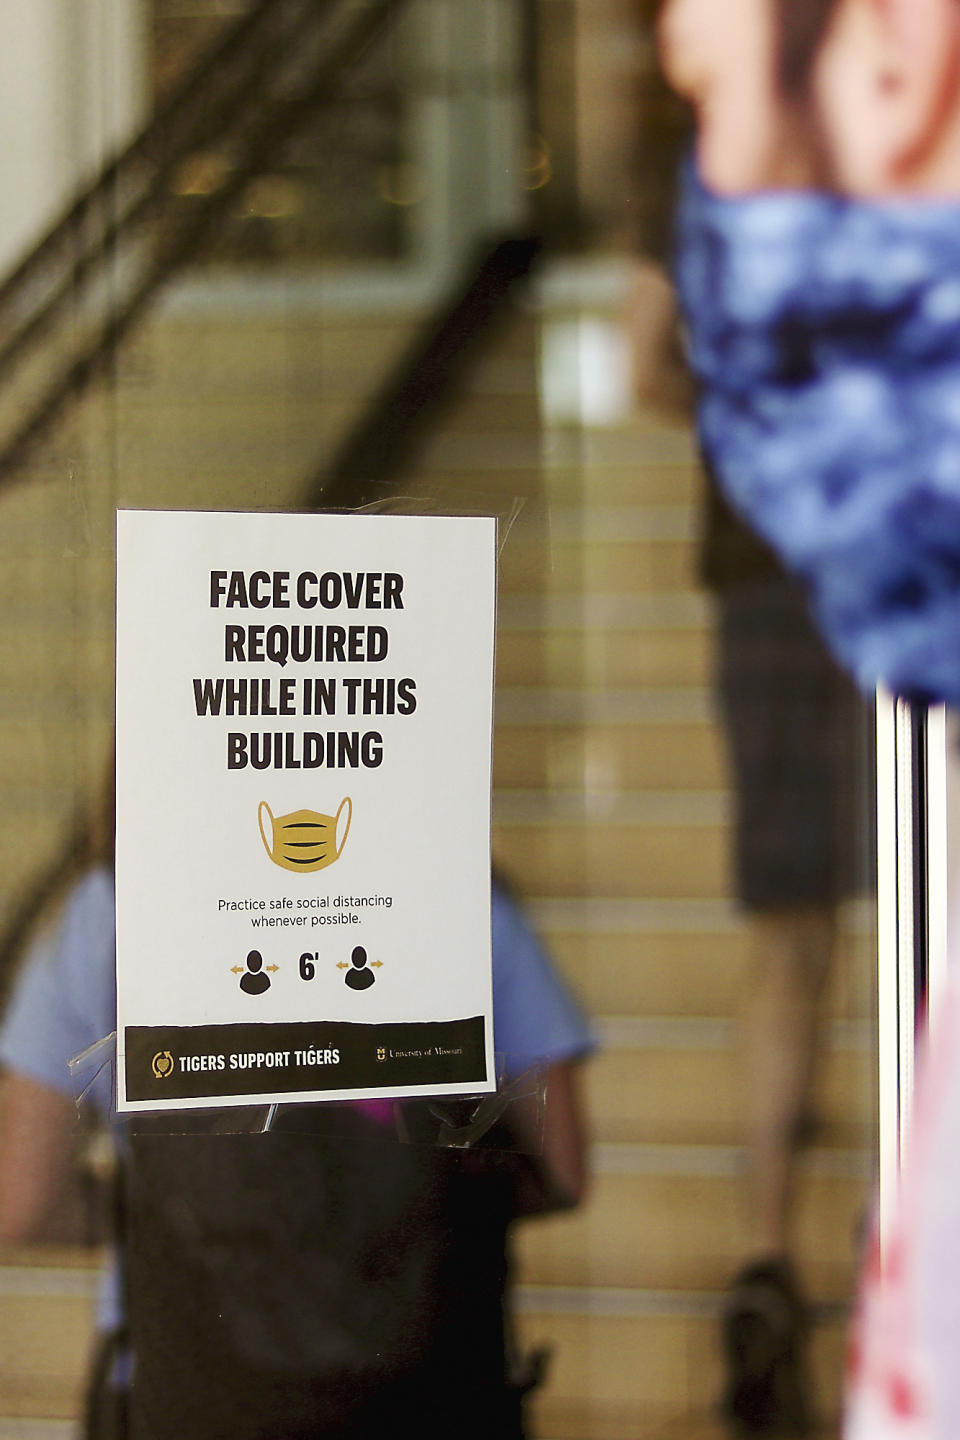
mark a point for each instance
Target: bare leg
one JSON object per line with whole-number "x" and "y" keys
{"x": 765, "y": 1320}
{"x": 791, "y": 961}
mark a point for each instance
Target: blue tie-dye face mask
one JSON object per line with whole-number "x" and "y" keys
{"x": 825, "y": 334}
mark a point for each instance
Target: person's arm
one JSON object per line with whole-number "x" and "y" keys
{"x": 63, "y": 1000}
{"x": 537, "y": 1022}
{"x": 659, "y": 374}
{"x": 564, "y": 1150}
{"x": 36, "y": 1132}
{"x": 559, "y": 1179}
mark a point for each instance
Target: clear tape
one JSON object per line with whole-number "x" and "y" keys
{"x": 94, "y": 1074}
{"x": 510, "y": 1118}
{"x": 480, "y": 502}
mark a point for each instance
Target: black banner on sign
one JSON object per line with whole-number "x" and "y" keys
{"x": 171, "y": 1062}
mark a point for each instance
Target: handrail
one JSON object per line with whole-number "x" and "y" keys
{"x": 192, "y": 87}
{"x": 215, "y": 117}
{"x": 380, "y": 445}
{"x": 288, "y": 114}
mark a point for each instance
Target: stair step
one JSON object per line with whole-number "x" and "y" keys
{"x": 629, "y": 958}
{"x": 46, "y": 1319}
{"x": 595, "y": 659}
{"x": 671, "y": 754}
{"x": 633, "y": 463}
{"x": 307, "y": 425}
{"x": 693, "y": 808}
{"x": 603, "y": 611}
{"x": 45, "y": 582}
{"x": 605, "y": 639}
{"x": 626, "y": 565}
{"x": 650, "y": 481}
{"x": 685, "y": 957}
{"x": 240, "y": 358}
{"x": 44, "y": 519}
{"x": 44, "y": 660}
{"x": 603, "y": 548}
{"x": 625, "y": 1364}
{"x": 639, "y": 860}
{"x": 680, "y": 1081}
{"x": 643, "y": 441}
{"x": 675, "y": 1218}
{"x": 666, "y": 844}
{"x": 13, "y": 1429}
{"x": 628, "y": 706}
{"x": 624, "y": 524}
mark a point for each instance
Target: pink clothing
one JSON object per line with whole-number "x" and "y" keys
{"x": 904, "y": 1370}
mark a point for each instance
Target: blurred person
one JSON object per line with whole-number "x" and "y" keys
{"x": 820, "y": 322}
{"x": 230, "y": 1329}
{"x": 792, "y": 724}
{"x": 819, "y": 268}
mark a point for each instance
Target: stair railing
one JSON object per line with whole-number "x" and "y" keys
{"x": 297, "y": 67}
{"x": 135, "y": 187}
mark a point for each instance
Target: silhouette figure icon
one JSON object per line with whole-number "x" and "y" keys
{"x": 254, "y": 982}
{"x": 360, "y": 976}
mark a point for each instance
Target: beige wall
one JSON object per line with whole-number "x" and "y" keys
{"x": 72, "y": 85}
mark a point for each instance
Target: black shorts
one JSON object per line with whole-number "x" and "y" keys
{"x": 801, "y": 745}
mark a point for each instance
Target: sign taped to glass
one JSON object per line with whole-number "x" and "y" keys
{"x": 304, "y": 712}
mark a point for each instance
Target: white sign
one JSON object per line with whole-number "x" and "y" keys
{"x": 304, "y": 712}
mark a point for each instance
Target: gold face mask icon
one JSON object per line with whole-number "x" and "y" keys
{"x": 304, "y": 839}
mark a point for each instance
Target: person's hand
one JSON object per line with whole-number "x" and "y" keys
{"x": 37, "y": 1126}
{"x": 856, "y": 96}
{"x": 721, "y": 58}
{"x": 659, "y": 375}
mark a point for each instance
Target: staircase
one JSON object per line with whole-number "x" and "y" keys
{"x": 612, "y": 809}
{"x": 611, "y": 814}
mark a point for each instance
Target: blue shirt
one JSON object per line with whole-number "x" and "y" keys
{"x": 65, "y": 999}
{"x": 64, "y": 1003}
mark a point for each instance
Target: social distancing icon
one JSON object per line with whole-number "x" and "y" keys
{"x": 253, "y": 981}
{"x": 305, "y": 840}
{"x": 359, "y": 974}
